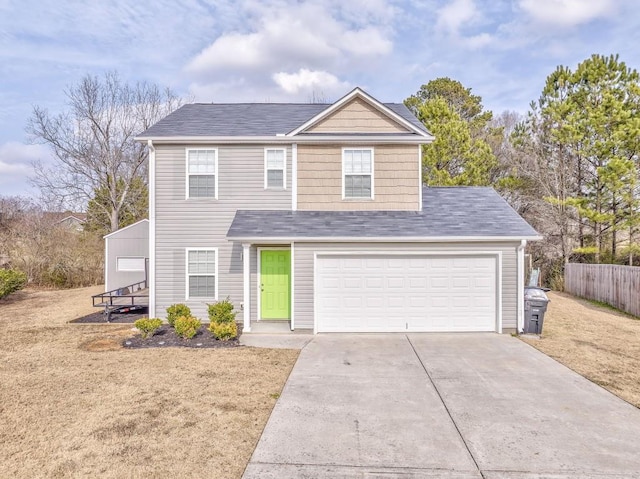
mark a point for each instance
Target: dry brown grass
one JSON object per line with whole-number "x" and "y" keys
{"x": 596, "y": 342}
{"x": 73, "y": 403}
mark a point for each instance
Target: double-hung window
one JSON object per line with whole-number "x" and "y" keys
{"x": 357, "y": 168}
{"x": 202, "y": 173}
{"x": 202, "y": 268}
{"x": 275, "y": 168}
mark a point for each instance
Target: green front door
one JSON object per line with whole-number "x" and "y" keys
{"x": 275, "y": 284}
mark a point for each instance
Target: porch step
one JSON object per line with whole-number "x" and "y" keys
{"x": 271, "y": 327}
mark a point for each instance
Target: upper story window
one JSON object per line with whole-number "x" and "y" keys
{"x": 202, "y": 273}
{"x": 357, "y": 172}
{"x": 275, "y": 168}
{"x": 202, "y": 173}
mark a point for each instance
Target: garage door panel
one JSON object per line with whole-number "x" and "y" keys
{"x": 438, "y": 281}
{"x": 395, "y": 282}
{"x": 399, "y": 293}
{"x": 461, "y": 282}
{"x": 395, "y": 302}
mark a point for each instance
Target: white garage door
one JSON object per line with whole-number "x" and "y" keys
{"x": 368, "y": 293}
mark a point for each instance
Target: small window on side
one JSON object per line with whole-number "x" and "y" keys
{"x": 275, "y": 168}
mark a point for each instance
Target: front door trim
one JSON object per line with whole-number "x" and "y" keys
{"x": 259, "y": 277}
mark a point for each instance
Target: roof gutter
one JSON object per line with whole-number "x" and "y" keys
{"x": 308, "y": 139}
{"x": 385, "y": 239}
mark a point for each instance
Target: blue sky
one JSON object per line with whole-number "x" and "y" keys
{"x": 287, "y": 50}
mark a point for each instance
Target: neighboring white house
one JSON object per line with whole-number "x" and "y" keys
{"x": 126, "y": 254}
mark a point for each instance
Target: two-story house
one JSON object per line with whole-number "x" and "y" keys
{"x": 315, "y": 214}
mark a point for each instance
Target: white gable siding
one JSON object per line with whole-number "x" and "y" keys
{"x": 202, "y": 222}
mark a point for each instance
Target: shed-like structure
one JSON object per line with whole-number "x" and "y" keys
{"x": 126, "y": 255}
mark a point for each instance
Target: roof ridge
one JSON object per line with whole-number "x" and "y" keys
{"x": 273, "y": 103}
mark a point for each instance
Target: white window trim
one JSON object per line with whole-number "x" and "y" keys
{"x": 284, "y": 169}
{"x": 186, "y": 274}
{"x": 118, "y": 258}
{"x": 187, "y": 174}
{"x": 370, "y": 148}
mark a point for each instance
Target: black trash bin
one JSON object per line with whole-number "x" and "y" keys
{"x": 535, "y": 306}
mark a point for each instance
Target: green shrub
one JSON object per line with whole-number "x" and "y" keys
{"x": 224, "y": 331}
{"x": 222, "y": 312}
{"x": 11, "y": 281}
{"x": 187, "y": 326}
{"x": 148, "y": 326}
{"x": 176, "y": 311}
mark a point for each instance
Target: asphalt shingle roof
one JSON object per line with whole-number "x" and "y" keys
{"x": 247, "y": 119}
{"x": 447, "y": 211}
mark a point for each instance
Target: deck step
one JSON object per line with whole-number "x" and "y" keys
{"x": 271, "y": 326}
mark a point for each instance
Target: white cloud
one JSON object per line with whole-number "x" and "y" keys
{"x": 281, "y": 37}
{"x": 456, "y": 20}
{"x": 16, "y": 166}
{"x": 307, "y": 81}
{"x": 567, "y": 13}
{"x": 455, "y": 15}
{"x": 368, "y": 41}
{"x": 478, "y": 41}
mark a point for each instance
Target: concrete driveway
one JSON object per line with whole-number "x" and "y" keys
{"x": 442, "y": 405}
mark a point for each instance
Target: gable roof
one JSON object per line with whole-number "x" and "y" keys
{"x": 262, "y": 119}
{"x": 125, "y": 228}
{"x": 472, "y": 213}
{"x": 395, "y": 113}
{"x": 60, "y": 216}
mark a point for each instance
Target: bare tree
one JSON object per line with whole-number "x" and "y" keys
{"x": 92, "y": 141}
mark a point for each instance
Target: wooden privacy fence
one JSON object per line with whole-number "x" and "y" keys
{"x": 613, "y": 284}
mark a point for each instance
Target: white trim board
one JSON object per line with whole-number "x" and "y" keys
{"x": 151, "y": 279}
{"x": 246, "y": 286}
{"x": 292, "y": 278}
{"x": 383, "y": 239}
{"x": 294, "y": 176}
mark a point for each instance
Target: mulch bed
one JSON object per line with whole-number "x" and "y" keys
{"x": 115, "y": 318}
{"x": 165, "y": 337}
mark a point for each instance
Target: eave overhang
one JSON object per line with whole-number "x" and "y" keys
{"x": 409, "y": 139}
{"x": 382, "y": 239}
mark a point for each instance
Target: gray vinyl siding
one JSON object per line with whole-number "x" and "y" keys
{"x": 304, "y": 271}
{"x": 203, "y": 222}
{"x": 132, "y": 241}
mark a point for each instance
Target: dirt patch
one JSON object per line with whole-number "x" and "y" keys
{"x": 596, "y": 342}
{"x": 75, "y": 403}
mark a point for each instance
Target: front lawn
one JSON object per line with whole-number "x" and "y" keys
{"x": 74, "y": 403}
{"x": 595, "y": 341}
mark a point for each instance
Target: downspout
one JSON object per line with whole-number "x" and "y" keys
{"x": 152, "y": 230}
{"x": 520, "y": 285}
